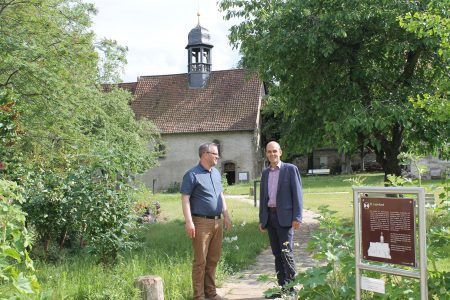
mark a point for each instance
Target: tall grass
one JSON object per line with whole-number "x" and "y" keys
{"x": 164, "y": 250}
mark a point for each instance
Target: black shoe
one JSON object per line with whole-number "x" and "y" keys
{"x": 292, "y": 292}
{"x": 273, "y": 296}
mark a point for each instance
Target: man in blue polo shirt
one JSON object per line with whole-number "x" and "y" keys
{"x": 203, "y": 204}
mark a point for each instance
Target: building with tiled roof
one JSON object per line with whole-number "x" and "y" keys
{"x": 228, "y": 102}
{"x": 202, "y": 106}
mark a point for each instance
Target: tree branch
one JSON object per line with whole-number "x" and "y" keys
{"x": 5, "y": 5}
{"x": 9, "y": 78}
{"x": 411, "y": 63}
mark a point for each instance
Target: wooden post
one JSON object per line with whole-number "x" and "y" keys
{"x": 151, "y": 287}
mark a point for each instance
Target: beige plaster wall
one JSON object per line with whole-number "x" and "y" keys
{"x": 182, "y": 154}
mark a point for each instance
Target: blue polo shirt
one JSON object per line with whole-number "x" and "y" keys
{"x": 204, "y": 188}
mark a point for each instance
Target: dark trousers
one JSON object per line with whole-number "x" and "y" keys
{"x": 281, "y": 242}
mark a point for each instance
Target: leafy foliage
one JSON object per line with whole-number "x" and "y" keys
{"x": 432, "y": 25}
{"x": 79, "y": 147}
{"x": 9, "y": 131}
{"x": 334, "y": 243}
{"x": 343, "y": 73}
{"x": 17, "y": 277}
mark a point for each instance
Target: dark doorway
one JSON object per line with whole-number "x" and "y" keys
{"x": 310, "y": 160}
{"x": 230, "y": 169}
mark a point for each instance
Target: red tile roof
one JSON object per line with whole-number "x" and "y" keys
{"x": 129, "y": 86}
{"x": 230, "y": 102}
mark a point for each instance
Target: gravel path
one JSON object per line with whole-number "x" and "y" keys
{"x": 245, "y": 284}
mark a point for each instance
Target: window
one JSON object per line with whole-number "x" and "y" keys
{"x": 160, "y": 150}
{"x": 195, "y": 55}
{"x": 218, "y": 146}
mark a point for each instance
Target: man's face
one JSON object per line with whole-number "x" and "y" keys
{"x": 273, "y": 153}
{"x": 213, "y": 155}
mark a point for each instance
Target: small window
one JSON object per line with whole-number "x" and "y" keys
{"x": 160, "y": 150}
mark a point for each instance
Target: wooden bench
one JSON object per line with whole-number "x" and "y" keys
{"x": 318, "y": 172}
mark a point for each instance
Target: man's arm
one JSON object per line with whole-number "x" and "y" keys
{"x": 226, "y": 216}
{"x": 296, "y": 186}
{"x": 189, "y": 226}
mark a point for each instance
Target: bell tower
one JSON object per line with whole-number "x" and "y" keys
{"x": 199, "y": 56}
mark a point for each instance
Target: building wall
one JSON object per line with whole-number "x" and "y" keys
{"x": 330, "y": 158}
{"x": 240, "y": 148}
{"x": 434, "y": 168}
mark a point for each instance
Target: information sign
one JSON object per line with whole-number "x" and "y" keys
{"x": 243, "y": 176}
{"x": 388, "y": 230}
{"x": 373, "y": 285}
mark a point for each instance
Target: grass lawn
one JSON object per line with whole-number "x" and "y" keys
{"x": 333, "y": 190}
{"x": 322, "y": 190}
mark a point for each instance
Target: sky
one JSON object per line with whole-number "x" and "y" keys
{"x": 156, "y": 33}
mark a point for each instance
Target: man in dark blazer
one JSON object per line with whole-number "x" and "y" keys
{"x": 280, "y": 210}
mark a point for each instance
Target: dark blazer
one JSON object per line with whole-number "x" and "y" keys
{"x": 289, "y": 196}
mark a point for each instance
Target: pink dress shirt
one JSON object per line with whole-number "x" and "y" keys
{"x": 274, "y": 174}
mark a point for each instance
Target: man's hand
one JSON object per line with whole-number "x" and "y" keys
{"x": 296, "y": 225}
{"x": 190, "y": 229}
{"x": 261, "y": 228}
{"x": 227, "y": 222}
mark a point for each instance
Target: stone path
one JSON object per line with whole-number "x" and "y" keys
{"x": 246, "y": 286}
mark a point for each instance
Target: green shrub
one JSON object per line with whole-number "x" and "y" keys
{"x": 80, "y": 207}
{"x": 17, "y": 279}
{"x": 224, "y": 182}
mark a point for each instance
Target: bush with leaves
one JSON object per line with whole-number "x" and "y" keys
{"x": 80, "y": 207}
{"x": 17, "y": 279}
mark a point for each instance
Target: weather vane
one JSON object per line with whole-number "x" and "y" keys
{"x": 198, "y": 11}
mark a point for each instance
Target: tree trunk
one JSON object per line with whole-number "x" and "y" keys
{"x": 387, "y": 156}
{"x": 361, "y": 156}
{"x": 392, "y": 166}
{"x": 346, "y": 164}
{"x": 46, "y": 244}
{"x": 311, "y": 160}
{"x": 63, "y": 239}
{"x": 151, "y": 287}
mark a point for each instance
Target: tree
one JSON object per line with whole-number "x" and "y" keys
{"x": 433, "y": 26}
{"x": 79, "y": 146}
{"x": 342, "y": 72}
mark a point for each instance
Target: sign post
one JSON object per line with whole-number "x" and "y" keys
{"x": 385, "y": 231}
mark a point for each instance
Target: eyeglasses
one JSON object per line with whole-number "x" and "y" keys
{"x": 213, "y": 153}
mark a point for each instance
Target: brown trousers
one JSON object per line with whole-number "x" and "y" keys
{"x": 207, "y": 246}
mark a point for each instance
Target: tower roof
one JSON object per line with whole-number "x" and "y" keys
{"x": 199, "y": 36}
